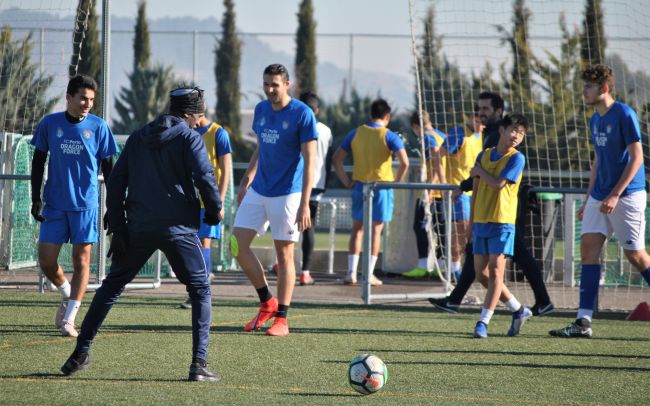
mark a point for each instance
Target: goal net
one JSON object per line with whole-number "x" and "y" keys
{"x": 532, "y": 54}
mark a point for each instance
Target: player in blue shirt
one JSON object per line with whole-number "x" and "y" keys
{"x": 78, "y": 143}
{"x": 616, "y": 200}
{"x": 275, "y": 189}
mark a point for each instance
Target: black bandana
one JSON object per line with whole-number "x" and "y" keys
{"x": 186, "y": 100}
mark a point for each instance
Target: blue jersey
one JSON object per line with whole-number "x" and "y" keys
{"x": 280, "y": 135}
{"x": 511, "y": 172}
{"x": 610, "y": 135}
{"x": 431, "y": 141}
{"x": 75, "y": 150}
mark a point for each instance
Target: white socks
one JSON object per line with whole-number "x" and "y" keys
{"x": 486, "y": 315}
{"x": 423, "y": 263}
{"x": 71, "y": 310}
{"x": 455, "y": 266}
{"x": 305, "y": 272}
{"x": 64, "y": 289}
{"x": 373, "y": 262}
{"x": 585, "y": 314}
{"x": 513, "y": 304}
{"x": 353, "y": 263}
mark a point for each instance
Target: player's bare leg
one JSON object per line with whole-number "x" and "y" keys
{"x": 247, "y": 259}
{"x": 286, "y": 270}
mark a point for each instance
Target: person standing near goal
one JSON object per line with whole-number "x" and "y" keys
{"x": 496, "y": 177}
{"x": 435, "y": 174}
{"x": 275, "y": 189}
{"x": 490, "y": 110}
{"x": 153, "y": 204}
{"x": 78, "y": 144}
{"x": 616, "y": 199}
{"x": 372, "y": 147}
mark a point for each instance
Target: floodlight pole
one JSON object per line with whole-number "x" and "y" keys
{"x": 106, "y": 59}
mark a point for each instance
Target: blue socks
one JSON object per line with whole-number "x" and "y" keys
{"x": 206, "y": 258}
{"x": 589, "y": 281}
{"x": 646, "y": 275}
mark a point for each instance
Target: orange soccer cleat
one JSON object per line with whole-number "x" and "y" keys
{"x": 267, "y": 310}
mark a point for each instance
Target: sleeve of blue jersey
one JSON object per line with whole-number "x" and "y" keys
{"x": 393, "y": 141}
{"x": 107, "y": 145}
{"x": 630, "y": 127}
{"x": 346, "y": 145}
{"x": 307, "y": 125}
{"x": 478, "y": 158}
{"x": 39, "y": 139}
{"x": 222, "y": 141}
{"x": 514, "y": 168}
{"x": 454, "y": 140}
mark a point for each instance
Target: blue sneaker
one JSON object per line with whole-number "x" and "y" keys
{"x": 518, "y": 320}
{"x": 480, "y": 331}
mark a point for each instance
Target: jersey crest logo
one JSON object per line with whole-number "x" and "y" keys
{"x": 608, "y": 129}
{"x": 285, "y": 125}
{"x": 87, "y": 133}
{"x": 59, "y": 132}
{"x": 594, "y": 130}
{"x": 262, "y": 121}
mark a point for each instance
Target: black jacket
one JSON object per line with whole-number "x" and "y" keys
{"x": 160, "y": 166}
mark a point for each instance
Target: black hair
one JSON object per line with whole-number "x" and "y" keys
{"x": 277, "y": 69}
{"x": 516, "y": 119}
{"x": 81, "y": 82}
{"x": 378, "y": 109}
{"x": 311, "y": 99}
{"x": 495, "y": 100}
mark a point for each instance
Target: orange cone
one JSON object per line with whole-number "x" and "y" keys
{"x": 641, "y": 313}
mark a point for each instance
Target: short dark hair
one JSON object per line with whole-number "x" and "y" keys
{"x": 516, "y": 119}
{"x": 81, "y": 82}
{"x": 495, "y": 100}
{"x": 311, "y": 99}
{"x": 415, "y": 118}
{"x": 378, "y": 109}
{"x": 601, "y": 74}
{"x": 277, "y": 69}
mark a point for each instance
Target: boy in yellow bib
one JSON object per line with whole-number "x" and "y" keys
{"x": 497, "y": 175}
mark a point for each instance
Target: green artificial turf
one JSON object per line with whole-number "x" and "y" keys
{"x": 142, "y": 355}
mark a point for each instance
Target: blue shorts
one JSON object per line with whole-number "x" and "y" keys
{"x": 76, "y": 227}
{"x": 461, "y": 208}
{"x": 382, "y": 204}
{"x": 500, "y": 244}
{"x": 207, "y": 231}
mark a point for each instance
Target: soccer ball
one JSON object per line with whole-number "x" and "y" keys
{"x": 367, "y": 374}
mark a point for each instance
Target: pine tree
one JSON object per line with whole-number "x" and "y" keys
{"x": 23, "y": 100}
{"x": 228, "y": 60}
{"x": 86, "y": 50}
{"x": 305, "y": 67}
{"x": 147, "y": 95}
{"x": 593, "y": 40}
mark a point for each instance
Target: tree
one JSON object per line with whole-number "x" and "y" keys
{"x": 147, "y": 95}
{"x": 23, "y": 100}
{"x": 305, "y": 69}
{"x": 442, "y": 83}
{"x": 592, "y": 41}
{"x": 228, "y": 60}
{"x": 86, "y": 50}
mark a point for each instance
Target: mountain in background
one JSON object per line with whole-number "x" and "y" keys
{"x": 172, "y": 43}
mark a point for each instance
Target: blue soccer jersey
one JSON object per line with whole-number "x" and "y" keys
{"x": 610, "y": 135}
{"x": 280, "y": 135}
{"x": 75, "y": 150}
{"x": 430, "y": 141}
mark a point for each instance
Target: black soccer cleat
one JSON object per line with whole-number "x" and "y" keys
{"x": 542, "y": 310}
{"x": 444, "y": 304}
{"x": 199, "y": 372}
{"x": 78, "y": 361}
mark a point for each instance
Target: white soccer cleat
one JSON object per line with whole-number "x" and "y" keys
{"x": 60, "y": 313}
{"x": 374, "y": 281}
{"x": 68, "y": 330}
{"x": 350, "y": 279}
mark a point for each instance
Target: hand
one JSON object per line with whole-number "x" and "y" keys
{"x": 475, "y": 171}
{"x": 213, "y": 218}
{"x": 607, "y": 206}
{"x": 37, "y": 207}
{"x": 119, "y": 246}
{"x": 581, "y": 212}
{"x": 350, "y": 184}
{"x": 222, "y": 213}
{"x": 105, "y": 221}
{"x": 303, "y": 217}
{"x": 455, "y": 194}
{"x": 241, "y": 193}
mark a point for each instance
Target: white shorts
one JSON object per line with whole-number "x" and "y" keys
{"x": 627, "y": 221}
{"x": 256, "y": 212}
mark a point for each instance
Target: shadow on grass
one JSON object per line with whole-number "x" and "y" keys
{"x": 524, "y": 353}
{"x": 510, "y": 364}
{"x": 51, "y": 376}
{"x": 321, "y": 394}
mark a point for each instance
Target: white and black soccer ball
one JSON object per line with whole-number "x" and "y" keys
{"x": 367, "y": 374}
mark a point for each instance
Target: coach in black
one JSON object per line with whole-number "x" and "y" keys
{"x": 160, "y": 167}
{"x": 490, "y": 109}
